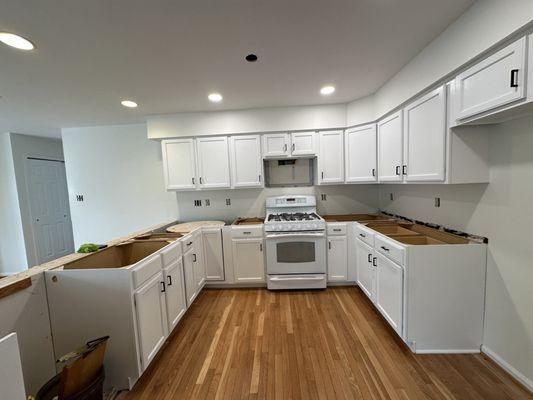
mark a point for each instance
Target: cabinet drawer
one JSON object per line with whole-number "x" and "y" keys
{"x": 187, "y": 243}
{"x": 171, "y": 253}
{"x": 364, "y": 234}
{"x": 146, "y": 269}
{"x": 336, "y": 229}
{"x": 250, "y": 231}
{"x": 390, "y": 249}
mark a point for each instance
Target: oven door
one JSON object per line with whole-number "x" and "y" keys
{"x": 296, "y": 253}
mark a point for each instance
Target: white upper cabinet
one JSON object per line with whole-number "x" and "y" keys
{"x": 331, "y": 157}
{"x": 179, "y": 164}
{"x": 246, "y": 161}
{"x": 360, "y": 154}
{"x": 303, "y": 143}
{"x": 390, "y": 148}
{"x": 493, "y": 82}
{"x": 425, "y": 138}
{"x": 213, "y": 162}
{"x": 276, "y": 145}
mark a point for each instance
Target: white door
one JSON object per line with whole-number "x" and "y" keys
{"x": 303, "y": 143}
{"x": 425, "y": 138}
{"x": 275, "y": 145}
{"x": 199, "y": 259}
{"x": 246, "y": 161}
{"x": 337, "y": 258}
{"x": 248, "y": 260}
{"x": 495, "y": 81}
{"x": 213, "y": 162}
{"x": 175, "y": 293}
{"x": 214, "y": 258}
{"x": 49, "y": 209}
{"x": 179, "y": 164}
{"x": 152, "y": 324}
{"x": 191, "y": 287}
{"x": 11, "y": 378}
{"x": 365, "y": 269}
{"x": 390, "y": 147}
{"x": 360, "y": 149}
{"x": 389, "y": 291}
{"x": 331, "y": 157}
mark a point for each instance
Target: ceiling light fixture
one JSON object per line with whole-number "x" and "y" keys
{"x": 327, "y": 90}
{"x": 16, "y": 41}
{"x": 128, "y": 103}
{"x": 215, "y": 97}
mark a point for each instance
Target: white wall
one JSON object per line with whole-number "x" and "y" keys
{"x": 501, "y": 211}
{"x": 119, "y": 172}
{"x": 12, "y": 250}
{"x": 251, "y": 202}
{"x": 247, "y": 121}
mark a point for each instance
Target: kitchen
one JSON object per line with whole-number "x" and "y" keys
{"x": 318, "y": 247}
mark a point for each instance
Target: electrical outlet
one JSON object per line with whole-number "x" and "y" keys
{"x": 437, "y": 201}
{"x": 391, "y": 196}
{"x": 207, "y": 202}
{"x": 197, "y": 203}
{"x": 323, "y": 197}
{"x": 228, "y": 202}
{"x": 79, "y": 197}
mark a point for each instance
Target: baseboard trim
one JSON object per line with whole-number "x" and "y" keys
{"x": 213, "y": 285}
{"x": 448, "y": 351}
{"x": 521, "y": 378}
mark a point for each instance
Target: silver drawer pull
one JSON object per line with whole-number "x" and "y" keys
{"x": 384, "y": 248}
{"x": 336, "y": 230}
{"x": 247, "y": 233}
{"x": 362, "y": 235}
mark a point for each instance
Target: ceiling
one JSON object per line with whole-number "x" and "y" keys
{"x": 167, "y": 55}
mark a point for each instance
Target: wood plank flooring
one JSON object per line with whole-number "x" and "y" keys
{"x": 332, "y": 344}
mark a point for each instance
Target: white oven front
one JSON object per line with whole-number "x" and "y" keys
{"x": 296, "y": 253}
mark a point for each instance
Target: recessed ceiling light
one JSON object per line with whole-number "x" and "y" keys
{"x": 16, "y": 41}
{"x": 251, "y": 57}
{"x": 327, "y": 90}
{"x": 215, "y": 97}
{"x": 128, "y": 103}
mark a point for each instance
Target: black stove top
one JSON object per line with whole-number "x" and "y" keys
{"x": 293, "y": 217}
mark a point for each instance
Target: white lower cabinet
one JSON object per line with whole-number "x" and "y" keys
{"x": 213, "y": 254}
{"x": 389, "y": 291}
{"x": 198, "y": 259}
{"x": 175, "y": 293}
{"x": 248, "y": 260}
{"x": 191, "y": 286}
{"x": 152, "y": 324}
{"x": 366, "y": 272}
{"x": 337, "y": 258}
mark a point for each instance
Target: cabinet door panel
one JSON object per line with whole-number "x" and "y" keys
{"x": 331, "y": 157}
{"x": 337, "y": 258}
{"x": 361, "y": 154}
{"x": 276, "y": 145}
{"x": 303, "y": 143}
{"x": 425, "y": 137}
{"x": 198, "y": 260}
{"x": 389, "y": 292}
{"x": 390, "y": 146}
{"x": 493, "y": 82}
{"x": 191, "y": 287}
{"x": 246, "y": 161}
{"x": 175, "y": 293}
{"x": 213, "y": 162}
{"x": 248, "y": 261}
{"x": 179, "y": 164}
{"x": 151, "y": 318}
{"x": 365, "y": 269}
{"x": 214, "y": 259}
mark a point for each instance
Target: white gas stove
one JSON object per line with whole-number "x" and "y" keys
{"x": 295, "y": 243}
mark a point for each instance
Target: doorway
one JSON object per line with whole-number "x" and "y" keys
{"x": 49, "y": 209}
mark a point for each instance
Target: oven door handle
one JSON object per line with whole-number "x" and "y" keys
{"x": 298, "y": 278}
{"x": 296, "y": 235}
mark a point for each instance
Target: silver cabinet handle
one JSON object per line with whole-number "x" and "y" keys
{"x": 194, "y": 258}
{"x": 293, "y": 147}
{"x": 163, "y": 289}
{"x": 192, "y": 180}
{"x": 260, "y": 246}
{"x": 375, "y": 262}
{"x": 362, "y": 235}
{"x": 259, "y": 178}
{"x": 285, "y": 147}
{"x": 384, "y": 248}
{"x": 369, "y": 257}
{"x": 201, "y": 180}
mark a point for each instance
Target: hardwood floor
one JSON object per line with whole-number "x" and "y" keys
{"x": 332, "y": 344}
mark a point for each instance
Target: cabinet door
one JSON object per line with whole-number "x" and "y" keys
{"x": 213, "y": 162}
{"x": 198, "y": 260}
{"x": 360, "y": 149}
{"x": 493, "y": 82}
{"x": 191, "y": 287}
{"x": 175, "y": 293}
{"x": 331, "y": 157}
{"x": 389, "y": 292}
{"x": 246, "y": 161}
{"x": 275, "y": 145}
{"x": 365, "y": 269}
{"x": 151, "y": 311}
{"x": 303, "y": 143}
{"x": 390, "y": 147}
{"x": 425, "y": 138}
{"x": 213, "y": 254}
{"x": 248, "y": 260}
{"x": 337, "y": 258}
{"x": 179, "y": 164}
